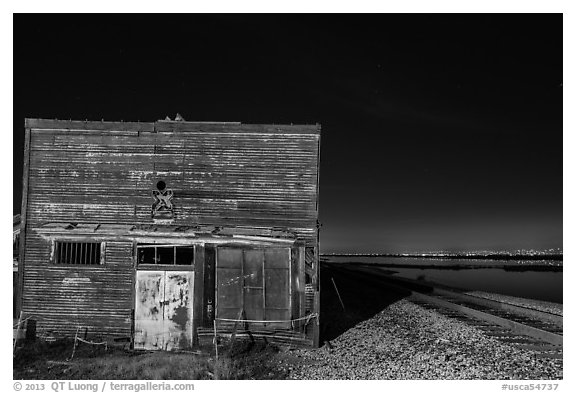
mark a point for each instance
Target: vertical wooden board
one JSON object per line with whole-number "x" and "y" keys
{"x": 301, "y": 286}
{"x": 133, "y": 291}
{"x": 198, "y": 297}
{"x": 295, "y": 283}
{"x": 148, "y": 313}
{"x": 14, "y": 293}
{"x": 209, "y": 285}
{"x": 178, "y": 309}
{"x": 23, "y": 221}
{"x": 316, "y": 326}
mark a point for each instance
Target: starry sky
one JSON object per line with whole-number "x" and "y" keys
{"x": 439, "y": 132}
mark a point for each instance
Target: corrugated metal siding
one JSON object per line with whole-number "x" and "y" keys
{"x": 61, "y": 298}
{"x": 236, "y": 179}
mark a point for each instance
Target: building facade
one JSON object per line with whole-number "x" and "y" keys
{"x": 164, "y": 232}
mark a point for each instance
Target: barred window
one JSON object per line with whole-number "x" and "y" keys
{"x": 77, "y": 253}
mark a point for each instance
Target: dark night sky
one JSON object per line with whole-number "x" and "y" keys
{"x": 438, "y": 131}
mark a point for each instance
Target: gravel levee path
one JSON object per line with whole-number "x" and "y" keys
{"x": 406, "y": 341}
{"x": 539, "y": 305}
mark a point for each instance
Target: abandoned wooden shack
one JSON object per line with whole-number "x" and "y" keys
{"x": 166, "y": 232}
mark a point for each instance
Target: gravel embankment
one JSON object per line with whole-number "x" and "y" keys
{"x": 540, "y": 305}
{"x": 406, "y": 341}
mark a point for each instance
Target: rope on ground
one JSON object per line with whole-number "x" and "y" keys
{"x": 74, "y": 346}
{"x": 306, "y": 318}
{"x": 92, "y": 342}
{"x": 21, "y": 322}
{"x": 78, "y": 339}
{"x": 17, "y": 333}
{"x": 216, "y": 376}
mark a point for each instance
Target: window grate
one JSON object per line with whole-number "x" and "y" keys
{"x": 78, "y": 253}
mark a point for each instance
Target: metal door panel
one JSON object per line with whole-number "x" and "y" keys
{"x": 229, "y": 258}
{"x": 229, "y": 288}
{"x": 277, "y": 284}
{"x": 178, "y": 308}
{"x": 253, "y": 268}
{"x": 254, "y": 284}
{"x": 277, "y": 258}
{"x": 277, "y": 288}
{"x": 148, "y": 312}
{"x": 256, "y": 281}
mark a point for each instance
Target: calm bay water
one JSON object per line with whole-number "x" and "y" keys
{"x": 541, "y": 285}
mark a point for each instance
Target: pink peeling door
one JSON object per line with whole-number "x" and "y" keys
{"x": 163, "y": 310}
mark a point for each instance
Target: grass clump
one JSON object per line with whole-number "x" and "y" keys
{"x": 251, "y": 360}
{"x": 243, "y": 360}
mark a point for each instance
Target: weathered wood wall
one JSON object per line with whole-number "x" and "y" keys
{"x": 264, "y": 176}
{"x": 222, "y": 174}
{"x": 97, "y": 297}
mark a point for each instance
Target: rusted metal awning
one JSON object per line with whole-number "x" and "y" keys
{"x": 184, "y": 233}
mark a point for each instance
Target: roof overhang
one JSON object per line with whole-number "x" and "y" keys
{"x": 176, "y": 234}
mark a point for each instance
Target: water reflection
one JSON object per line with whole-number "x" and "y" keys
{"x": 536, "y": 282}
{"x": 532, "y": 285}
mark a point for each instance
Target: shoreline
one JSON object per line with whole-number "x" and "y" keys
{"x": 446, "y": 265}
{"x": 494, "y": 257}
{"x": 406, "y": 341}
{"x": 383, "y": 335}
